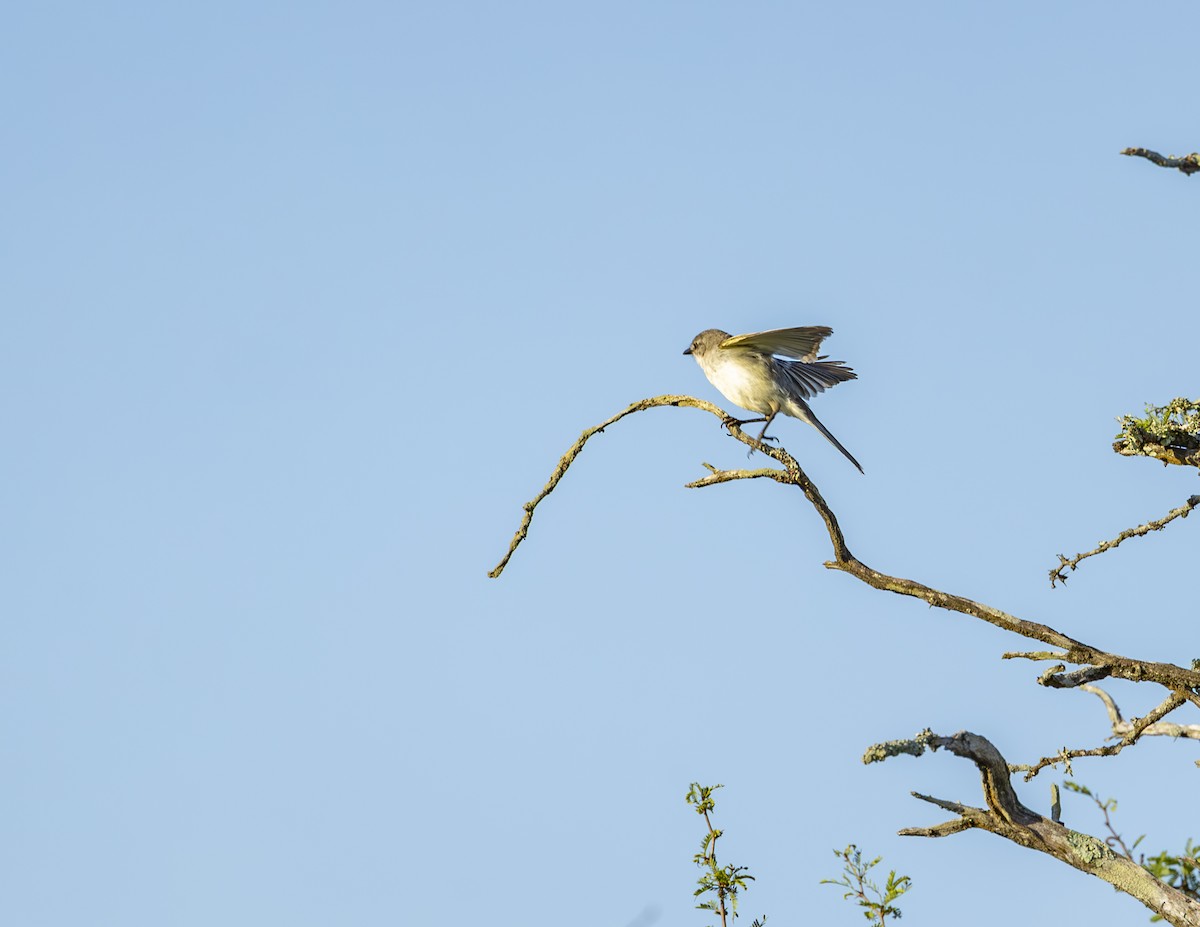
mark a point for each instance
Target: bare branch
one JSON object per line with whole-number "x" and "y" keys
{"x": 945, "y": 829}
{"x": 1167, "y": 674}
{"x": 1188, "y": 164}
{"x": 574, "y": 450}
{"x": 1006, "y": 817}
{"x": 1135, "y": 732}
{"x": 1114, "y": 713}
{"x": 1055, "y": 678}
{"x": 1169, "y": 433}
{"x": 724, "y": 476}
{"x": 1057, "y": 574}
{"x": 1033, "y": 655}
{"x": 1172, "y": 677}
{"x": 1157, "y": 729}
{"x": 943, "y": 803}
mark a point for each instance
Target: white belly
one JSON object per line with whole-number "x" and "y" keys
{"x": 749, "y": 386}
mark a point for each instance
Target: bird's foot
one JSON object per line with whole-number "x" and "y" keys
{"x": 729, "y": 421}
{"x": 762, "y": 440}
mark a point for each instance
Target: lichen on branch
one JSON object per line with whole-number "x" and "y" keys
{"x": 1169, "y": 433}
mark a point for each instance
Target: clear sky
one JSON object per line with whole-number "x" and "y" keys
{"x": 301, "y": 303}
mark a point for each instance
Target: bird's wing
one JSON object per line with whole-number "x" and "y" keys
{"x": 808, "y": 379}
{"x": 800, "y": 343}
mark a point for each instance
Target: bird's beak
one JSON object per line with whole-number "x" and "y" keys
{"x": 688, "y": 351}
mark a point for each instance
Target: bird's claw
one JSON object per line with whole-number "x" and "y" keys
{"x": 762, "y": 440}
{"x": 729, "y": 421}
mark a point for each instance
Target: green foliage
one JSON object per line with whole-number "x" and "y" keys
{"x": 722, "y": 883}
{"x": 1180, "y": 871}
{"x": 877, "y": 905}
{"x": 1177, "y": 424}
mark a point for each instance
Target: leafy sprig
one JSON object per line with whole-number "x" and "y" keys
{"x": 876, "y": 903}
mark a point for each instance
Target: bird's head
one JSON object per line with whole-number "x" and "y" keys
{"x": 708, "y": 340}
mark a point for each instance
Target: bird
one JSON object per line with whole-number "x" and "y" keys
{"x": 772, "y": 372}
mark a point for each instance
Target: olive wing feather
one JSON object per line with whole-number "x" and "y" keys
{"x": 800, "y": 343}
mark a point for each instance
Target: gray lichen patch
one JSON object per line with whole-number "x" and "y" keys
{"x": 1088, "y": 848}
{"x": 877, "y": 753}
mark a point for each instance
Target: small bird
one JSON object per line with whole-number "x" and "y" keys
{"x": 772, "y": 372}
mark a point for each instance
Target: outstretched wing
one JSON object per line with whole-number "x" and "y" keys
{"x": 800, "y": 343}
{"x": 808, "y": 379}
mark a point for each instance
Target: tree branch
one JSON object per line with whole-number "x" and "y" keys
{"x": 1055, "y": 678}
{"x": 1156, "y": 729}
{"x": 1076, "y": 652}
{"x": 1006, "y": 817}
{"x": 1188, "y": 164}
{"x": 1165, "y": 453}
{"x": 1136, "y": 729}
{"x": 564, "y": 462}
{"x": 1057, "y": 574}
{"x": 1169, "y": 433}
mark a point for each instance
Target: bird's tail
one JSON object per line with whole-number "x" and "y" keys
{"x": 799, "y": 409}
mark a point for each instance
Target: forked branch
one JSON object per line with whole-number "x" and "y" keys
{"x": 1172, "y": 677}
{"x": 1007, "y": 817}
{"x": 1004, "y": 815}
{"x": 1135, "y": 731}
{"x": 1121, "y": 727}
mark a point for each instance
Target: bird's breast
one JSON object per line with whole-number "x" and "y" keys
{"x": 744, "y": 381}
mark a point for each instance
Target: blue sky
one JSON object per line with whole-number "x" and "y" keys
{"x": 302, "y": 302}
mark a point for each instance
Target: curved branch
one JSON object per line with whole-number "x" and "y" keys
{"x": 1188, "y": 164}
{"x": 1172, "y": 677}
{"x": 1006, "y": 817}
{"x": 794, "y": 474}
{"x": 791, "y": 475}
{"x": 564, "y": 462}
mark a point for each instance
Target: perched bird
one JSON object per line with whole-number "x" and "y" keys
{"x": 772, "y": 372}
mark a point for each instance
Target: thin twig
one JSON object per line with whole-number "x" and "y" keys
{"x": 1057, "y": 574}
{"x": 1136, "y": 729}
{"x": 564, "y": 462}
